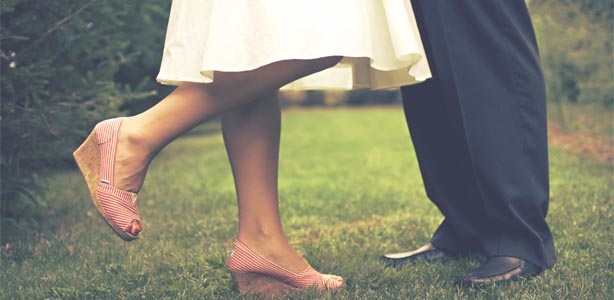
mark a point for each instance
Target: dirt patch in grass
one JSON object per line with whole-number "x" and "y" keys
{"x": 593, "y": 144}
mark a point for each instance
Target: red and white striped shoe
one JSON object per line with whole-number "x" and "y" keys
{"x": 255, "y": 274}
{"x": 96, "y": 160}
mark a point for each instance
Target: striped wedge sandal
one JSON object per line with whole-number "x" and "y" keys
{"x": 254, "y": 274}
{"x": 96, "y": 160}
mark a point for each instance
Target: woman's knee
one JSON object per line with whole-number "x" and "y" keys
{"x": 330, "y": 61}
{"x": 264, "y": 103}
{"x": 319, "y": 64}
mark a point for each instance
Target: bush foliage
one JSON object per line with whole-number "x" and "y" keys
{"x": 60, "y": 61}
{"x": 575, "y": 38}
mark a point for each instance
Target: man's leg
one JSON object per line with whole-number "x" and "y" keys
{"x": 442, "y": 154}
{"x": 486, "y": 68}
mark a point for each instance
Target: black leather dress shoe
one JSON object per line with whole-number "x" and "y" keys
{"x": 426, "y": 253}
{"x": 499, "y": 269}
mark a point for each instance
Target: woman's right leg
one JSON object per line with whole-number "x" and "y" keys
{"x": 142, "y": 136}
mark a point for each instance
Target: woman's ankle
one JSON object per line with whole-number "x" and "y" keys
{"x": 275, "y": 248}
{"x": 136, "y": 138}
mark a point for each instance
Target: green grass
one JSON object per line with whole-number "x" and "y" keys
{"x": 350, "y": 190}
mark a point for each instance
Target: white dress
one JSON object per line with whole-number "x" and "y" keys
{"x": 378, "y": 39}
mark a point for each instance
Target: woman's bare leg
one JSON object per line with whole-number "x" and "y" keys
{"x": 251, "y": 134}
{"x": 143, "y": 136}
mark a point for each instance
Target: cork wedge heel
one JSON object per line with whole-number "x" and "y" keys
{"x": 260, "y": 284}
{"x": 255, "y": 274}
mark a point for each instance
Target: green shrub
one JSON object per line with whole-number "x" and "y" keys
{"x": 59, "y": 62}
{"x": 575, "y": 38}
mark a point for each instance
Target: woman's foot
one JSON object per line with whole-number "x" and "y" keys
{"x": 275, "y": 249}
{"x": 98, "y": 158}
{"x": 130, "y": 165}
{"x": 132, "y": 158}
{"x": 254, "y": 273}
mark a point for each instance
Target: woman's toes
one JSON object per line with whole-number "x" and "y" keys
{"x": 333, "y": 282}
{"x": 134, "y": 228}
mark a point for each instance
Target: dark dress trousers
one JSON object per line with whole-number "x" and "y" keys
{"x": 479, "y": 128}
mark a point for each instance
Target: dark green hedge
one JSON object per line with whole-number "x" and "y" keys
{"x": 575, "y": 39}
{"x": 66, "y": 64}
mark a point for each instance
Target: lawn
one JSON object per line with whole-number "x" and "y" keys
{"x": 350, "y": 190}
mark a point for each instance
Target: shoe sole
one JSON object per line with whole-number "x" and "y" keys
{"x": 260, "y": 284}
{"x": 493, "y": 281}
{"x": 414, "y": 259}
